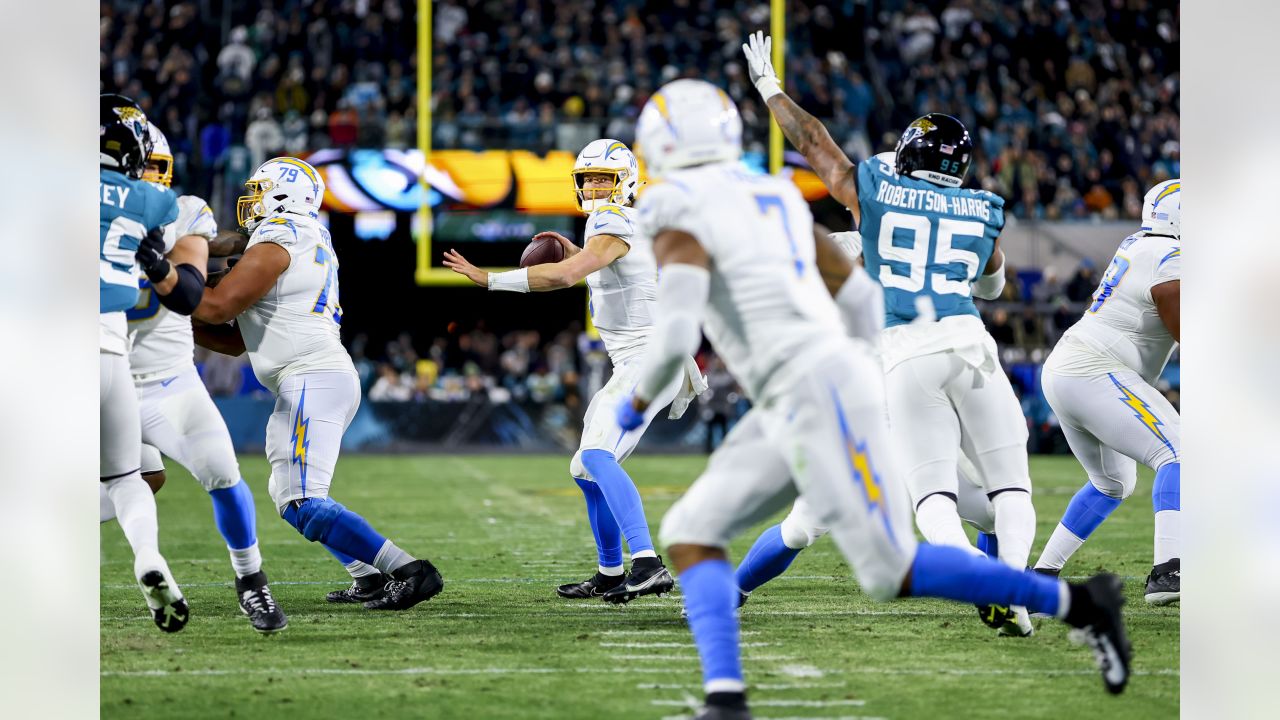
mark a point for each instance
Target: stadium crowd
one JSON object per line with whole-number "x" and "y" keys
{"x": 1080, "y": 133}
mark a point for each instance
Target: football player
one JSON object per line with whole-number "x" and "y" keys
{"x": 283, "y": 295}
{"x": 931, "y": 242}
{"x": 621, "y": 279}
{"x": 179, "y": 418}
{"x": 737, "y": 261}
{"x": 133, "y": 236}
{"x": 1099, "y": 379}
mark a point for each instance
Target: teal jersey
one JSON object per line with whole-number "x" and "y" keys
{"x": 924, "y": 240}
{"x": 130, "y": 209}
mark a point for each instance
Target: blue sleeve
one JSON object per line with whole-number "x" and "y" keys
{"x": 997, "y": 213}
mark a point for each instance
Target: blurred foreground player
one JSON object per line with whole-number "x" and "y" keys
{"x": 134, "y": 217}
{"x": 283, "y": 294}
{"x": 737, "y": 260}
{"x": 179, "y": 418}
{"x": 1099, "y": 381}
{"x": 621, "y": 279}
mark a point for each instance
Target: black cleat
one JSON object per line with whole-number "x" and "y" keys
{"x": 1095, "y": 612}
{"x": 994, "y": 616}
{"x": 593, "y": 587}
{"x": 168, "y": 608}
{"x": 1164, "y": 584}
{"x": 362, "y": 590}
{"x": 257, "y": 603}
{"x": 1048, "y": 571}
{"x": 724, "y": 706}
{"x": 414, "y": 583}
{"x": 648, "y": 576}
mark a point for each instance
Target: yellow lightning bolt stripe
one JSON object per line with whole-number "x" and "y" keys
{"x": 862, "y": 464}
{"x": 612, "y": 210}
{"x": 660, "y": 102}
{"x": 300, "y": 441}
{"x": 1167, "y": 192}
{"x": 305, "y": 168}
{"x": 1140, "y": 410}
{"x": 615, "y": 146}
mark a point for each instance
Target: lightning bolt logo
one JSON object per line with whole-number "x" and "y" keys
{"x": 299, "y": 438}
{"x": 860, "y": 468}
{"x": 1142, "y": 412}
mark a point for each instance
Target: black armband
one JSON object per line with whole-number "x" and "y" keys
{"x": 186, "y": 294}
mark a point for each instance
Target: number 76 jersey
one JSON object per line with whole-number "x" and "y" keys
{"x": 924, "y": 240}
{"x": 294, "y": 327}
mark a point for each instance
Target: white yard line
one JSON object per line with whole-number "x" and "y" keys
{"x": 792, "y": 670}
{"x": 642, "y": 645}
{"x": 755, "y": 703}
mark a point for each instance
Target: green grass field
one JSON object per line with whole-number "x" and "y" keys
{"x": 504, "y": 530}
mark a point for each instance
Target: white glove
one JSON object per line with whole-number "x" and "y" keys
{"x": 695, "y": 383}
{"x": 759, "y": 52}
{"x": 850, "y": 242}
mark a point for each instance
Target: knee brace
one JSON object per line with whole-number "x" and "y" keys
{"x": 313, "y": 517}
{"x": 214, "y": 464}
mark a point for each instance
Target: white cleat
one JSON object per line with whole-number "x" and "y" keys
{"x": 1018, "y": 624}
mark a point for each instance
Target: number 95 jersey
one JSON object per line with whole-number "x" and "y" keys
{"x": 924, "y": 240}
{"x": 294, "y": 327}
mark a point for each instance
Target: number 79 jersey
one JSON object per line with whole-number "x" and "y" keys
{"x": 294, "y": 327}
{"x": 924, "y": 240}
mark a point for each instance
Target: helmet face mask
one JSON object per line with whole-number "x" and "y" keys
{"x": 282, "y": 184}
{"x": 159, "y": 166}
{"x": 936, "y": 148}
{"x": 605, "y": 157}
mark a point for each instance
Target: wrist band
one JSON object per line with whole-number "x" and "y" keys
{"x": 768, "y": 87}
{"x": 511, "y": 281}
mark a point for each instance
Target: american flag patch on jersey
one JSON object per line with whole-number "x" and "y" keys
{"x": 947, "y": 149}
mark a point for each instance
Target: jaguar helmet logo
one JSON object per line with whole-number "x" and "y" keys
{"x": 916, "y": 129}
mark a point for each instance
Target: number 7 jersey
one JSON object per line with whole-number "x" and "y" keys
{"x": 924, "y": 240}
{"x": 294, "y": 327}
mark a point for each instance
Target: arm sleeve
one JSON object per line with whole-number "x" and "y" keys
{"x": 682, "y": 300}
{"x": 861, "y": 303}
{"x": 611, "y": 220}
{"x": 670, "y": 205}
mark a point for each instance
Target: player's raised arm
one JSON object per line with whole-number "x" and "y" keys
{"x": 578, "y": 263}
{"x": 1168, "y": 299}
{"x": 803, "y": 130}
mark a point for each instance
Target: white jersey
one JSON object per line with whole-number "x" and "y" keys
{"x": 769, "y": 310}
{"x": 623, "y": 293}
{"x": 1122, "y": 329}
{"x": 294, "y": 327}
{"x": 160, "y": 340}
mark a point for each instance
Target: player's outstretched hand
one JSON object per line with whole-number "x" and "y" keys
{"x": 569, "y": 248}
{"x": 455, "y": 262}
{"x": 759, "y": 52}
{"x": 629, "y": 417}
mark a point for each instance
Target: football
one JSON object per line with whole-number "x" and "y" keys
{"x": 543, "y": 250}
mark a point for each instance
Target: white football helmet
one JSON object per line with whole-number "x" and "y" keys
{"x": 1162, "y": 209}
{"x": 686, "y": 123}
{"x": 160, "y": 155}
{"x": 282, "y": 184}
{"x": 611, "y": 157}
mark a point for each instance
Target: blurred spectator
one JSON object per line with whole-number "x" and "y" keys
{"x": 718, "y": 403}
{"x": 1000, "y": 328}
{"x": 390, "y": 385}
{"x": 1083, "y": 283}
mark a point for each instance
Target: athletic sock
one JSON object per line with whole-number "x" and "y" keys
{"x": 644, "y": 555}
{"x": 939, "y": 522}
{"x": 391, "y": 558}
{"x": 246, "y": 561}
{"x": 359, "y": 569}
{"x": 106, "y": 511}
{"x": 711, "y": 599}
{"x": 988, "y": 544}
{"x": 614, "y": 571}
{"x": 1015, "y": 526}
{"x": 1086, "y": 511}
{"x": 136, "y": 510}
{"x": 233, "y": 513}
{"x": 768, "y": 558}
{"x": 1166, "y": 500}
{"x": 603, "y": 527}
{"x": 952, "y": 573}
{"x": 621, "y": 497}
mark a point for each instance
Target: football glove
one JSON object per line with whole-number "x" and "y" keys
{"x": 150, "y": 256}
{"x": 759, "y": 50}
